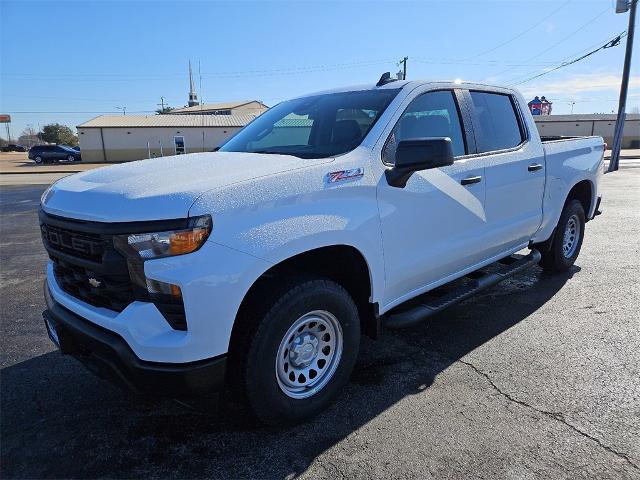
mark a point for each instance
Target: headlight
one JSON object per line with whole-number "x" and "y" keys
{"x": 146, "y": 246}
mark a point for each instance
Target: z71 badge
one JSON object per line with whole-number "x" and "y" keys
{"x": 343, "y": 175}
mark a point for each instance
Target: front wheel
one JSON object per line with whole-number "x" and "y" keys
{"x": 302, "y": 352}
{"x": 567, "y": 239}
{"x": 71, "y": 158}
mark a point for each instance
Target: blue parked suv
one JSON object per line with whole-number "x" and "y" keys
{"x": 53, "y": 153}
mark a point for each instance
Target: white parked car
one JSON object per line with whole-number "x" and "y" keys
{"x": 259, "y": 265}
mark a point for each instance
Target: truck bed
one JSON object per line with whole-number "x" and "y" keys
{"x": 561, "y": 138}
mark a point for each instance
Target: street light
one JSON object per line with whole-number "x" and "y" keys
{"x": 623, "y": 6}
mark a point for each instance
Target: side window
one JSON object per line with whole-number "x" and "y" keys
{"x": 432, "y": 114}
{"x": 499, "y": 123}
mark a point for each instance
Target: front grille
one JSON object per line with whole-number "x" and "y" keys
{"x": 84, "y": 245}
{"x": 110, "y": 291}
{"x": 87, "y": 266}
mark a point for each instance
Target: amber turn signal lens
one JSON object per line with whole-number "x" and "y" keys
{"x": 187, "y": 241}
{"x": 176, "y": 292}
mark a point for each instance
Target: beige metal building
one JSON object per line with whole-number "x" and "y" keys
{"x": 242, "y": 107}
{"x": 111, "y": 138}
{"x": 590, "y": 124}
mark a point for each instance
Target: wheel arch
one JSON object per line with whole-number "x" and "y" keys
{"x": 583, "y": 191}
{"x": 343, "y": 264}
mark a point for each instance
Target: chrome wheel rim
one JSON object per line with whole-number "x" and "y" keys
{"x": 38, "y": 160}
{"x": 309, "y": 354}
{"x": 571, "y": 236}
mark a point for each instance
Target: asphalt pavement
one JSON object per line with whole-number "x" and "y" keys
{"x": 536, "y": 378}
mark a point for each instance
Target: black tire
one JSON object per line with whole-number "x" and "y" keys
{"x": 555, "y": 259}
{"x": 71, "y": 158}
{"x": 258, "y": 379}
{"x": 38, "y": 159}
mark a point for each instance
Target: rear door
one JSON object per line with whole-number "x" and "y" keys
{"x": 514, "y": 171}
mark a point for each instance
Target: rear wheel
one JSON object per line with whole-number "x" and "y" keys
{"x": 567, "y": 239}
{"x": 301, "y": 353}
{"x": 38, "y": 159}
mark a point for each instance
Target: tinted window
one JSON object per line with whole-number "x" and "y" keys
{"x": 433, "y": 114}
{"x": 499, "y": 123}
{"x": 313, "y": 127}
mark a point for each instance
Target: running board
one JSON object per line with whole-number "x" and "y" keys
{"x": 480, "y": 280}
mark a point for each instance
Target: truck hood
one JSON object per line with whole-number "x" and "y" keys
{"x": 160, "y": 188}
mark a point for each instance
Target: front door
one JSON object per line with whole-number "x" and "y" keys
{"x": 433, "y": 227}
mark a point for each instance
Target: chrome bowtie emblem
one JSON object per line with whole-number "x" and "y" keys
{"x": 94, "y": 282}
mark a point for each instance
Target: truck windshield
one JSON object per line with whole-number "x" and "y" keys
{"x": 313, "y": 127}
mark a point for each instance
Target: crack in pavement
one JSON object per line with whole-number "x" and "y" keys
{"x": 555, "y": 415}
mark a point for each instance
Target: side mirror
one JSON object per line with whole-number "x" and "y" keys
{"x": 419, "y": 154}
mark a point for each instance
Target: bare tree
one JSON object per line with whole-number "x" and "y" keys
{"x": 29, "y": 137}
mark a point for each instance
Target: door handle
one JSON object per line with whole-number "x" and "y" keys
{"x": 471, "y": 180}
{"x": 534, "y": 167}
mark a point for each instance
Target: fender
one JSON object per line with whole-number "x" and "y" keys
{"x": 285, "y": 215}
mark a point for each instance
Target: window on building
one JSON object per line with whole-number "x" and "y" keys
{"x": 179, "y": 145}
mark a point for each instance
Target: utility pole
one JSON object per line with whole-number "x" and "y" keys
{"x": 621, "y": 7}
{"x": 124, "y": 110}
{"x": 404, "y": 67}
{"x": 161, "y": 104}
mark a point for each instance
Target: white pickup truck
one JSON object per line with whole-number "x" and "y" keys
{"x": 259, "y": 265}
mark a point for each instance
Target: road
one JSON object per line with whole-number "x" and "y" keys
{"x": 537, "y": 378}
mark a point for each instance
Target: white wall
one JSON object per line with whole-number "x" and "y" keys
{"x": 602, "y": 128}
{"x": 125, "y": 144}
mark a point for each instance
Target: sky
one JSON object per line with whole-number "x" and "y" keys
{"x": 69, "y": 61}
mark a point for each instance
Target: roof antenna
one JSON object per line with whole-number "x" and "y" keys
{"x": 384, "y": 79}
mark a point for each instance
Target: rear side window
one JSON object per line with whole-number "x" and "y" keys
{"x": 500, "y": 126}
{"x": 433, "y": 114}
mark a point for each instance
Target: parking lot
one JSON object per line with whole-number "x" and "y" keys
{"x": 537, "y": 378}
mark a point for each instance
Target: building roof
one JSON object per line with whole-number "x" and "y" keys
{"x": 218, "y": 106}
{"x": 583, "y": 117}
{"x": 133, "y": 121}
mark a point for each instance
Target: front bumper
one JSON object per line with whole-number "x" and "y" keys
{"x": 107, "y": 354}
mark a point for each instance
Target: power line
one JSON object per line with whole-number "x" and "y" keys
{"x": 240, "y": 73}
{"x": 521, "y": 34}
{"x": 567, "y": 58}
{"x": 611, "y": 43}
{"x": 496, "y": 63}
{"x": 564, "y": 39}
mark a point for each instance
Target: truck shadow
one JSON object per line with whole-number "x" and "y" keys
{"x": 57, "y": 420}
